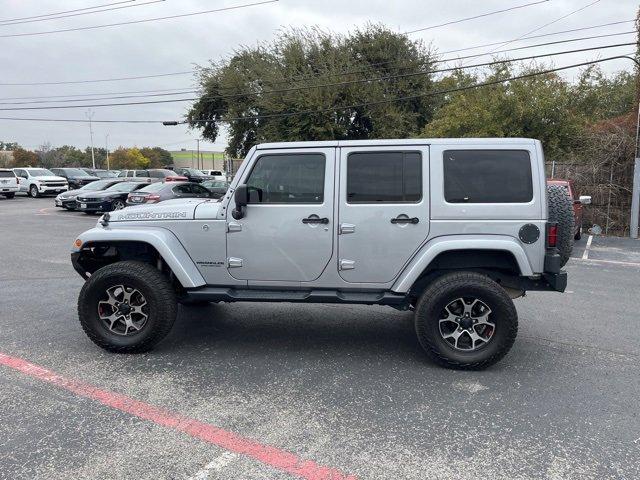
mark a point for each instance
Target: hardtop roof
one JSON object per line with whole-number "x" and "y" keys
{"x": 397, "y": 141}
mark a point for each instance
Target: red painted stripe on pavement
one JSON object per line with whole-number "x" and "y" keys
{"x": 271, "y": 456}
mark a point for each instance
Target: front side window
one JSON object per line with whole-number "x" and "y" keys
{"x": 384, "y": 177}
{"x": 487, "y": 176}
{"x": 287, "y": 178}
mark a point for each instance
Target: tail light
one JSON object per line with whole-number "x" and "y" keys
{"x": 552, "y": 234}
{"x": 152, "y": 199}
{"x": 175, "y": 178}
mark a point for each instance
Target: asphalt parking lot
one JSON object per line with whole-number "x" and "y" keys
{"x": 344, "y": 388}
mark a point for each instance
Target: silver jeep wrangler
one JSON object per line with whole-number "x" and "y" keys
{"x": 451, "y": 229}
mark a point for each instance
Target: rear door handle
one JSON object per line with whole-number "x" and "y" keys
{"x": 405, "y": 219}
{"x": 315, "y": 219}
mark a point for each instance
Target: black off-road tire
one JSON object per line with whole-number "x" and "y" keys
{"x": 9, "y": 195}
{"x": 561, "y": 212}
{"x": 158, "y": 292}
{"x": 444, "y": 290}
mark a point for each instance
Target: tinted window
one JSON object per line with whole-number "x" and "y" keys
{"x": 198, "y": 190}
{"x": 156, "y": 174}
{"x": 384, "y": 177}
{"x": 182, "y": 189}
{"x": 5, "y": 174}
{"x": 142, "y": 173}
{"x": 287, "y": 178}
{"x": 487, "y": 176}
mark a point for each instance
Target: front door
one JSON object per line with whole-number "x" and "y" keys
{"x": 383, "y": 210}
{"x": 286, "y": 232}
{"x": 22, "y": 180}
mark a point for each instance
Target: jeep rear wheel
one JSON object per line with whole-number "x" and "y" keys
{"x": 465, "y": 320}
{"x": 127, "y": 307}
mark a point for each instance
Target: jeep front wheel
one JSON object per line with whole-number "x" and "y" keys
{"x": 127, "y": 307}
{"x": 466, "y": 320}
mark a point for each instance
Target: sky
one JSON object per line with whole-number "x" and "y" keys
{"x": 177, "y": 45}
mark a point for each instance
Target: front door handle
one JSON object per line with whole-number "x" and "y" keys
{"x": 315, "y": 219}
{"x": 405, "y": 219}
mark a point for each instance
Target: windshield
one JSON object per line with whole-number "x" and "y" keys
{"x": 75, "y": 172}
{"x": 97, "y": 185}
{"x": 40, "y": 172}
{"x": 193, "y": 171}
{"x": 154, "y": 187}
{"x": 123, "y": 187}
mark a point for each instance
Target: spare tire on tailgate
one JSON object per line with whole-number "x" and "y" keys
{"x": 561, "y": 212}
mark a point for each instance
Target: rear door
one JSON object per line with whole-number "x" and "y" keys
{"x": 383, "y": 210}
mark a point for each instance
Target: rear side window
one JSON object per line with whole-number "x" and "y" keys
{"x": 287, "y": 178}
{"x": 487, "y": 176}
{"x": 384, "y": 177}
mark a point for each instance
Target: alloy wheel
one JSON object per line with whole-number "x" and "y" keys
{"x": 465, "y": 324}
{"x": 124, "y": 311}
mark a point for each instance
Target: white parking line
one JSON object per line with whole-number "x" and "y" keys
{"x": 585, "y": 255}
{"x": 217, "y": 463}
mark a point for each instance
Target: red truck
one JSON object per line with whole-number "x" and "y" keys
{"x": 578, "y": 202}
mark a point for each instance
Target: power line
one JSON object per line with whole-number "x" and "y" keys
{"x": 134, "y": 22}
{"x": 307, "y": 87}
{"x": 475, "y": 17}
{"x": 545, "y": 25}
{"x": 67, "y": 11}
{"x": 414, "y": 97}
{"x": 95, "y": 94}
{"x": 332, "y": 109}
{"x": 51, "y": 17}
{"x": 537, "y": 36}
{"x": 117, "y": 79}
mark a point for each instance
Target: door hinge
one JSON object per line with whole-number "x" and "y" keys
{"x": 347, "y": 264}
{"x": 233, "y": 262}
{"x": 347, "y": 228}
{"x": 234, "y": 227}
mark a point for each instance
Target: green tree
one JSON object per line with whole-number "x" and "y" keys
{"x": 8, "y": 146}
{"x": 236, "y": 91}
{"x": 536, "y": 107}
{"x": 158, "y": 157}
{"x": 128, "y": 158}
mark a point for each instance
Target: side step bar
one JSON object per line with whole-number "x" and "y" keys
{"x": 217, "y": 294}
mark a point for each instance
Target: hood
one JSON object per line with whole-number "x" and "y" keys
{"x": 50, "y": 178}
{"x": 176, "y": 209}
{"x": 70, "y": 194}
{"x": 100, "y": 194}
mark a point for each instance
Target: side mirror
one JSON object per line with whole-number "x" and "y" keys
{"x": 241, "y": 197}
{"x": 585, "y": 199}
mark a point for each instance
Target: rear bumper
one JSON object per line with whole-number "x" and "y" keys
{"x": 8, "y": 189}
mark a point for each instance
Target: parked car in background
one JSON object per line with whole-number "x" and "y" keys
{"x": 155, "y": 174}
{"x": 577, "y": 200}
{"x": 217, "y": 187}
{"x": 159, "y": 192}
{"x": 40, "y": 181}
{"x": 101, "y": 173}
{"x": 67, "y": 200}
{"x": 113, "y": 198}
{"x": 193, "y": 174}
{"x": 76, "y": 177}
{"x": 8, "y": 183}
{"x": 216, "y": 174}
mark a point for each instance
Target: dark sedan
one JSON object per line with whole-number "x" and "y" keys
{"x": 76, "y": 177}
{"x": 68, "y": 199}
{"x": 113, "y": 198}
{"x": 100, "y": 173}
{"x": 193, "y": 175}
{"x": 159, "y": 192}
{"x": 218, "y": 188}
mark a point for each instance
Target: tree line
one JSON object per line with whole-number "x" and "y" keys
{"x": 307, "y": 84}
{"x": 47, "y": 156}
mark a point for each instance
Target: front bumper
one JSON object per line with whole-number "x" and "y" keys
{"x": 104, "y": 206}
{"x": 52, "y": 189}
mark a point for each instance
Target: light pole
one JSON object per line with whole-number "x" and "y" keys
{"x": 89, "y": 113}
{"x": 106, "y": 146}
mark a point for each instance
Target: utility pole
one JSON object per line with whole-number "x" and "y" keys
{"x": 106, "y": 146}
{"x": 89, "y": 113}
{"x": 198, "y": 140}
{"x": 635, "y": 195}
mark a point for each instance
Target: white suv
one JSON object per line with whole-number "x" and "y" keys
{"x": 39, "y": 181}
{"x": 8, "y": 183}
